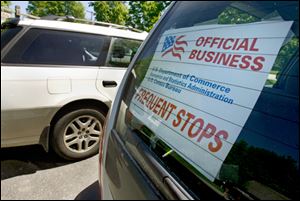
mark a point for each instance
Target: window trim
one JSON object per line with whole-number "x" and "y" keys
{"x": 110, "y": 48}
{"x": 12, "y": 42}
{"x": 8, "y": 48}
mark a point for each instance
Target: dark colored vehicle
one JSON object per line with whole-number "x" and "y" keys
{"x": 209, "y": 106}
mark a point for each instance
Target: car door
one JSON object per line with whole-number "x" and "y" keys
{"x": 119, "y": 56}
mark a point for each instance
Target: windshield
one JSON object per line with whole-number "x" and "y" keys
{"x": 214, "y": 95}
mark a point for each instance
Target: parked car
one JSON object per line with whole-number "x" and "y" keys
{"x": 209, "y": 107}
{"x": 58, "y": 80}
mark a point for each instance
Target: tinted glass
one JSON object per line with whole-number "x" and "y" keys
{"x": 263, "y": 162}
{"x": 58, "y": 48}
{"x": 122, "y": 52}
{"x": 8, "y": 34}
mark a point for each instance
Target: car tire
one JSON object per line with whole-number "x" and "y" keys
{"x": 76, "y": 135}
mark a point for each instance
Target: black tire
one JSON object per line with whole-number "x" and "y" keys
{"x": 65, "y": 125}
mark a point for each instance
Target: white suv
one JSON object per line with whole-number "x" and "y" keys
{"x": 58, "y": 80}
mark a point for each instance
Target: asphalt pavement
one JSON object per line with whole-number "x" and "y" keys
{"x": 32, "y": 174}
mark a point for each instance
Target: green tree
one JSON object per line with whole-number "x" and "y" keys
{"x": 144, "y": 14}
{"x": 235, "y": 16}
{"x": 60, "y": 8}
{"x": 110, "y": 11}
{"x": 257, "y": 164}
{"x": 5, "y": 3}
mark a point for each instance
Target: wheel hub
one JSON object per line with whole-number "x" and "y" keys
{"x": 82, "y": 134}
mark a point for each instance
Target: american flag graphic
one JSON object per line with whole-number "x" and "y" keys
{"x": 173, "y": 44}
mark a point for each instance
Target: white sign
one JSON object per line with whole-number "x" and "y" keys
{"x": 202, "y": 85}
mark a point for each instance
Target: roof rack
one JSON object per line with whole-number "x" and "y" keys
{"x": 68, "y": 18}
{"x": 73, "y": 19}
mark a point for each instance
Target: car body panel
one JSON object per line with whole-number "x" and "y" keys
{"x": 273, "y": 116}
{"x": 31, "y": 97}
{"x": 104, "y": 75}
{"x": 84, "y": 28}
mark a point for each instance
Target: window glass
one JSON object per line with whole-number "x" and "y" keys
{"x": 122, "y": 51}
{"x": 263, "y": 161}
{"x": 58, "y": 48}
{"x": 8, "y": 34}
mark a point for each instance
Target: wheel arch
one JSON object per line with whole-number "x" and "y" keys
{"x": 71, "y": 106}
{"x": 79, "y": 104}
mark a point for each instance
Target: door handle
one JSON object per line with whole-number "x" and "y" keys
{"x": 107, "y": 83}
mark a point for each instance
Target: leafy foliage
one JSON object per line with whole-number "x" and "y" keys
{"x": 144, "y": 14}
{"x": 235, "y": 16}
{"x": 257, "y": 164}
{"x": 110, "y": 11}
{"x": 60, "y": 8}
{"x": 5, "y": 3}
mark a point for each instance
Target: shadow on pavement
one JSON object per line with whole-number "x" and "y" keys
{"x": 27, "y": 160}
{"x": 90, "y": 193}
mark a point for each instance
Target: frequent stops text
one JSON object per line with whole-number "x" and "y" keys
{"x": 187, "y": 122}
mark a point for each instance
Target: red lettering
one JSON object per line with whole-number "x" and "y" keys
{"x": 150, "y": 100}
{"x": 223, "y": 59}
{"x": 199, "y": 128}
{"x": 243, "y": 45}
{"x": 145, "y": 96}
{"x": 200, "y": 41}
{"x": 221, "y": 43}
{"x": 138, "y": 94}
{"x": 201, "y": 57}
{"x": 208, "y": 132}
{"x": 142, "y": 96}
{"x": 217, "y": 139}
{"x": 193, "y": 54}
{"x": 234, "y": 60}
{"x": 196, "y": 129}
{"x": 252, "y": 47}
{"x": 207, "y": 40}
{"x": 235, "y": 44}
{"x": 258, "y": 63}
{"x": 181, "y": 112}
{"x": 173, "y": 107}
{"x": 163, "y": 109}
{"x": 214, "y": 41}
{"x": 210, "y": 57}
{"x": 157, "y": 105}
{"x": 245, "y": 62}
{"x": 153, "y": 104}
{"x": 225, "y": 43}
{"x": 190, "y": 116}
{"x": 216, "y": 57}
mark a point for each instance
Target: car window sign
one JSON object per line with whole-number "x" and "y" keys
{"x": 202, "y": 85}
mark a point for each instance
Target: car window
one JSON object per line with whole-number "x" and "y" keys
{"x": 40, "y": 46}
{"x": 179, "y": 98}
{"x": 122, "y": 51}
{"x": 7, "y": 34}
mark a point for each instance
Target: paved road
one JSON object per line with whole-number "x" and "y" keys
{"x": 30, "y": 173}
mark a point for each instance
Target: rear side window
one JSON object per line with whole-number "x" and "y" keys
{"x": 39, "y": 46}
{"x": 214, "y": 95}
{"x": 8, "y": 34}
{"x": 122, "y": 51}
